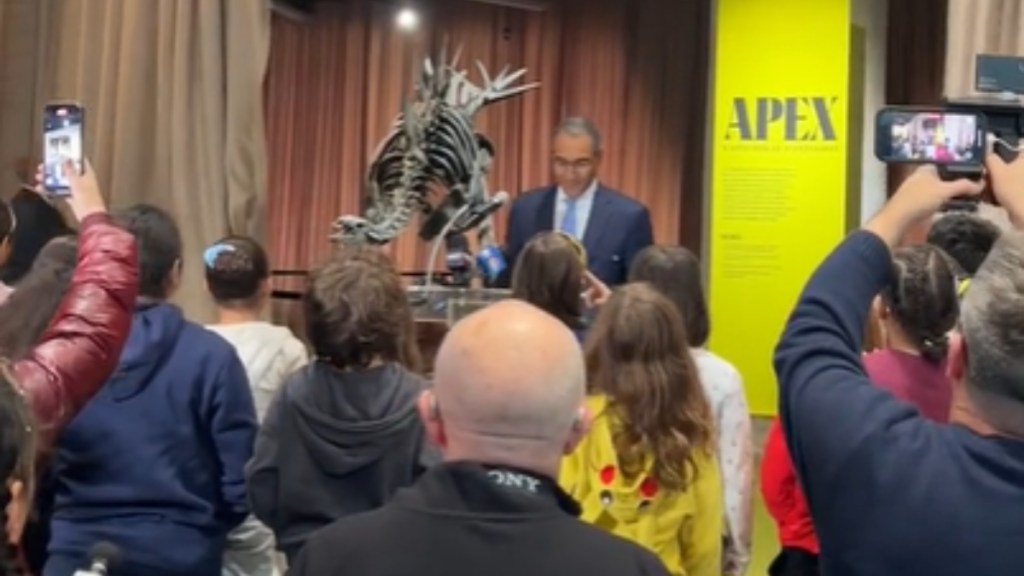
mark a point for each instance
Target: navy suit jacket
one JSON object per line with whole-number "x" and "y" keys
{"x": 619, "y": 227}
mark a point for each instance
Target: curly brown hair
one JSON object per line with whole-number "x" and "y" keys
{"x": 638, "y": 356}
{"x": 357, "y": 312}
{"x": 549, "y": 274}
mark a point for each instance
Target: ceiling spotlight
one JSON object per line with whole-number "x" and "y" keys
{"x": 407, "y": 19}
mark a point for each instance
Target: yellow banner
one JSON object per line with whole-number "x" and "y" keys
{"x": 778, "y": 188}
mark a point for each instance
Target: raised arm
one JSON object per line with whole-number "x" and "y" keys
{"x": 81, "y": 347}
{"x": 828, "y": 407}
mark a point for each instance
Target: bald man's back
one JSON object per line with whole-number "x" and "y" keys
{"x": 508, "y": 383}
{"x": 467, "y": 519}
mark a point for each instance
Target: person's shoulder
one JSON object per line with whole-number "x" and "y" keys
{"x": 627, "y": 205}
{"x": 533, "y": 195}
{"x": 208, "y": 343}
{"x": 622, "y": 199}
{"x": 605, "y": 549}
{"x": 347, "y": 536}
{"x": 713, "y": 368}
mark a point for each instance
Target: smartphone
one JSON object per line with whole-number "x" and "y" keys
{"x": 930, "y": 136}
{"x": 63, "y": 126}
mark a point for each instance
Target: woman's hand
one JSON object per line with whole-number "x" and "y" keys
{"x": 85, "y": 198}
{"x": 596, "y": 292}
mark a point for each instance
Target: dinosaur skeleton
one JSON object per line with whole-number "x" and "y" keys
{"x": 433, "y": 147}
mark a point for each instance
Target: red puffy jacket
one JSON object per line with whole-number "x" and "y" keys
{"x": 82, "y": 345}
{"x": 783, "y": 496}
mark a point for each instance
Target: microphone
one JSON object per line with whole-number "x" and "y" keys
{"x": 491, "y": 262}
{"x": 473, "y": 217}
{"x": 104, "y": 557}
{"x": 458, "y": 260}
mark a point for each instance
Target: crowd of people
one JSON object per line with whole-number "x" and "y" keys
{"x": 579, "y": 427}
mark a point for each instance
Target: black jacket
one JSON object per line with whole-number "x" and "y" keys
{"x": 462, "y": 519}
{"x": 334, "y": 444}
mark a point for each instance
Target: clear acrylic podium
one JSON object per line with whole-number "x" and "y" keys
{"x": 436, "y": 308}
{"x": 449, "y": 305}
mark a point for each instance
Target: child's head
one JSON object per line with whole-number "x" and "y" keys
{"x": 237, "y": 273}
{"x": 159, "y": 244}
{"x": 637, "y": 354}
{"x": 968, "y": 238}
{"x": 29, "y": 309}
{"x": 34, "y": 222}
{"x": 357, "y": 313}
{"x": 675, "y": 272}
{"x": 17, "y": 461}
{"x": 922, "y": 302}
{"x": 550, "y": 273}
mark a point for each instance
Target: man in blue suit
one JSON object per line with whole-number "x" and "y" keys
{"x": 612, "y": 227}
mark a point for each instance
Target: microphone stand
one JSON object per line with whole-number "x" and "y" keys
{"x": 436, "y": 246}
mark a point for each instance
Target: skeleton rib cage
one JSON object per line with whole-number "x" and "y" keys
{"x": 433, "y": 145}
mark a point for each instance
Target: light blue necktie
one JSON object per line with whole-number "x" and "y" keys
{"x": 569, "y": 218}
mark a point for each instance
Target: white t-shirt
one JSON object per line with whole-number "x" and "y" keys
{"x": 270, "y": 353}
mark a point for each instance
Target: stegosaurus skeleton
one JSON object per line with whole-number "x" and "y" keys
{"x": 433, "y": 146}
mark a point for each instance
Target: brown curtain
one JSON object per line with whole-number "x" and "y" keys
{"x": 174, "y": 109}
{"x": 637, "y": 68}
{"x": 981, "y": 27}
{"x": 914, "y": 67}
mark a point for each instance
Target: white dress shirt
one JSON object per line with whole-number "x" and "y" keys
{"x": 584, "y": 203}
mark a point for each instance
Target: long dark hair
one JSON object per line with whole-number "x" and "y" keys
{"x": 637, "y": 355}
{"x": 36, "y": 222}
{"x": 17, "y": 459}
{"x": 675, "y": 272}
{"x": 923, "y": 298}
{"x": 549, "y": 274}
{"x": 30, "y": 308}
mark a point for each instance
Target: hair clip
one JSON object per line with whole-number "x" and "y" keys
{"x": 210, "y": 254}
{"x": 962, "y": 285}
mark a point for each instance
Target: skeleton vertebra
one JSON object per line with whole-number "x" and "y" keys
{"x": 433, "y": 145}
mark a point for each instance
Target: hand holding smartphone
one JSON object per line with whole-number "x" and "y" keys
{"x": 930, "y": 136}
{"x": 63, "y": 127}
{"x": 84, "y": 196}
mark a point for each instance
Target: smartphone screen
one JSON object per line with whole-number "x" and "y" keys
{"x": 929, "y": 137}
{"x": 62, "y": 141}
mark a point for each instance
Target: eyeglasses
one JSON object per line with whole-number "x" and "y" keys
{"x": 563, "y": 165}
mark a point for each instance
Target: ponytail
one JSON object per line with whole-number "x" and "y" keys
{"x": 924, "y": 298}
{"x": 934, "y": 349}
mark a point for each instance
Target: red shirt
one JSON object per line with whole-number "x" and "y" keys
{"x": 908, "y": 377}
{"x": 914, "y": 380}
{"x": 782, "y": 494}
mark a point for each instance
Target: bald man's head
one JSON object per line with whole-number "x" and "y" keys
{"x": 509, "y": 382}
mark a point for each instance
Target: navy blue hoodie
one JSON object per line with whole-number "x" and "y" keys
{"x": 155, "y": 462}
{"x": 891, "y": 493}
